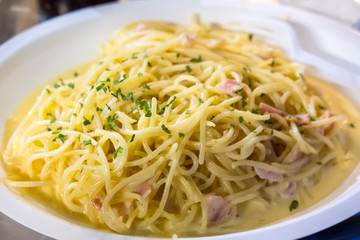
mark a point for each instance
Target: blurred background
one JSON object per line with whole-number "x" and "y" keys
{"x": 19, "y": 15}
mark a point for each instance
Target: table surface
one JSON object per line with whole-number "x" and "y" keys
{"x": 19, "y": 15}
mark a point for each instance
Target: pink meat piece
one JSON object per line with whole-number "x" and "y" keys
{"x": 187, "y": 39}
{"x": 290, "y": 190}
{"x": 217, "y": 207}
{"x": 140, "y": 27}
{"x": 299, "y": 119}
{"x": 265, "y": 55}
{"x": 269, "y": 109}
{"x": 326, "y": 129}
{"x": 97, "y": 202}
{"x": 268, "y": 175}
{"x": 144, "y": 189}
{"x": 298, "y": 154}
{"x": 230, "y": 86}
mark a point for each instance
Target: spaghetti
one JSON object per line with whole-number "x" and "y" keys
{"x": 177, "y": 130}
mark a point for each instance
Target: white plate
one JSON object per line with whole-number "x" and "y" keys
{"x": 37, "y": 55}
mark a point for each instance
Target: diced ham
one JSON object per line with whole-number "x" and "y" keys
{"x": 268, "y": 175}
{"x": 290, "y": 190}
{"x": 187, "y": 39}
{"x": 298, "y": 154}
{"x": 324, "y": 130}
{"x": 230, "y": 86}
{"x": 97, "y": 202}
{"x": 269, "y": 109}
{"x": 215, "y": 42}
{"x": 217, "y": 207}
{"x": 299, "y": 119}
{"x": 144, "y": 189}
{"x": 265, "y": 55}
{"x": 140, "y": 27}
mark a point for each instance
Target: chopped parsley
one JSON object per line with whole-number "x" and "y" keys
{"x": 213, "y": 69}
{"x": 255, "y": 110}
{"x": 108, "y": 107}
{"x": 56, "y": 85}
{"x": 61, "y": 137}
{"x": 86, "y": 121}
{"x": 302, "y": 77}
{"x": 243, "y": 102}
{"x": 188, "y": 112}
{"x": 140, "y": 75}
{"x": 145, "y": 86}
{"x": 48, "y": 129}
{"x": 165, "y": 129}
{"x": 319, "y": 163}
{"x": 321, "y": 107}
{"x": 352, "y": 125}
{"x": 232, "y": 125}
{"x": 101, "y": 86}
{"x": 294, "y": 204}
{"x": 241, "y": 119}
{"x": 148, "y": 114}
{"x": 107, "y": 69}
{"x": 132, "y": 138}
{"x": 188, "y": 69}
{"x": 181, "y": 134}
{"x": 76, "y": 74}
{"x": 273, "y": 62}
{"x": 111, "y": 122}
{"x": 48, "y": 91}
{"x": 87, "y": 142}
{"x": 302, "y": 132}
{"x": 262, "y": 94}
{"x": 196, "y": 60}
{"x": 117, "y": 151}
{"x": 81, "y": 105}
{"x": 301, "y": 109}
{"x": 201, "y": 100}
{"x": 132, "y": 109}
{"x": 250, "y": 36}
{"x": 75, "y": 114}
{"x": 212, "y": 117}
{"x": 149, "y": 64}
{"x": 131, "y": 96}
{"x": 177, "y": 55}
{"x": 312, "y": 118}
{"x": 167, "y": 105}
{"x": 53, "y": 120}
{"x": 71, "y": 85}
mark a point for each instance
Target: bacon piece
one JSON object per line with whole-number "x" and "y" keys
{"x": 215, "y": 42}
{"x": 325, "y": 130}
{"x": 268, "y": 175}
{"x": 140, "y": 27}
{"x": 299, "y": 119}
{"x": 269, "y": 109}
{"x": 97, "y": 202}
{"x": 187, "y": 39}
{"x": 265, "y": 55}
{"x": 230, "y": 86}
{"x": 217, "y": 207}
{"x": 144, "y": 189}
{"x": 290, "y": 190}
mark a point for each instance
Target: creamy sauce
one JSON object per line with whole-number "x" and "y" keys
{"x": 256, "y": 212}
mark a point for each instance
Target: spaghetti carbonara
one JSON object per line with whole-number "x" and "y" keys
{"x": 177, "y": 129}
